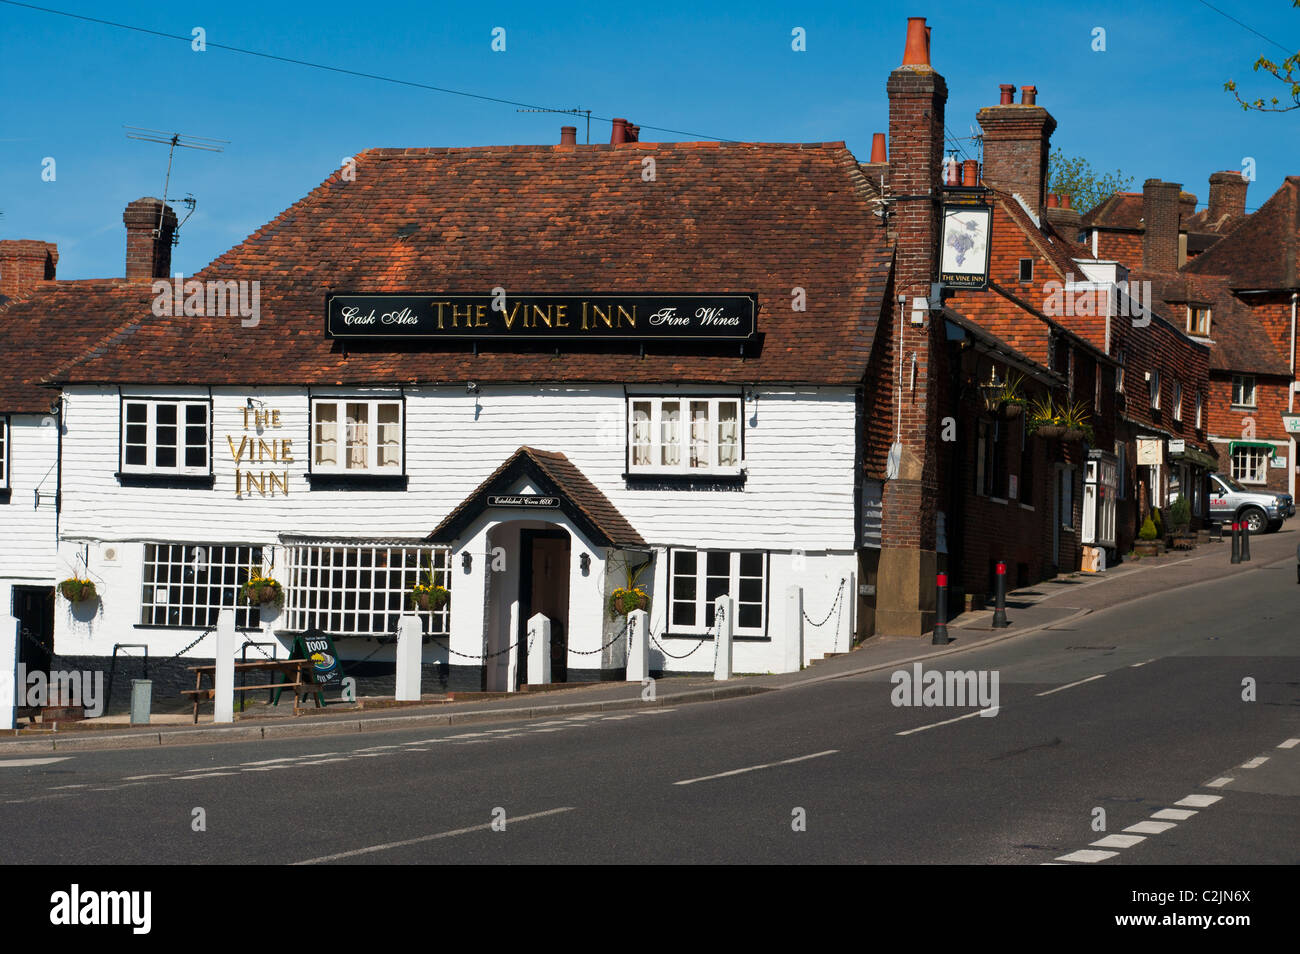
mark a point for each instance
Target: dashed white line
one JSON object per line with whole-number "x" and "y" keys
{"x": 1219, "y": 782}
{"x": 425, "y": 838}
{"x": 1174, "y": 814}
{"x": 1071, "y": 685}
{"x": 1119, "y": 841}
{"x": 1255, "y": 762}
{"x": 26, "y": 763}
{"x": 1143, "y": 662}
{"x": 1151, "y": 827}
{"x": 133, "y": 778}
{"x": 186, "y": 778}
{"x": 755, "y": 768}
{"x": 1088, "y": 855}
{"x": 1289, "y": 744}
{"x": 935, "y": 725}
{"x": 1199, "y": 801}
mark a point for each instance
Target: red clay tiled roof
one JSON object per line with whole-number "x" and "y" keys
{"x": 1240, "y": 342}
{"x": 582, "y": 499}
{"x": 1123, "y": 210}
{"x": 1261, "y": 252}
{"x": 718, "y": 217}
{"x": 54, "y": 323}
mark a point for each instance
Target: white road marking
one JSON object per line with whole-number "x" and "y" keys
{"x": 654, "y": 711}
{"x": 1174, "y": 814}
{"x": 618, "y": 718}
{"x": 1289, "y": 744}
{"x": 186, "y": 778}
{"x": 1143, "y": 662}
{"x": 132, "y": 778}
{"x": 1255, "y": 762}
{"x": 1151, "y": 827}
{"x": 80, "y": 785}
{"x": 935, "y": 725}
{"x": 1088, "y": 855}
{"x": 292, "y": 758}
{"x": 340, "y": 759}
{"x": 424, "y": 838}
{"x": 371, "y": 755}
{"x": 26, "y": 763}
{"x": 1119, "y": 841}
{"x": 1219, "y": 782}
{"x": 755, "y": 768}
{"x": 1199, "y": 801}
{"x": 1100, "y": 675}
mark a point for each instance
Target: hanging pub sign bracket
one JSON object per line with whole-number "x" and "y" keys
{"x": 648, "y": 317}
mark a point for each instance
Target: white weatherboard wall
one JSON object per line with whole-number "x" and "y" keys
{"x": 28, "y": 554}
{"x": 798, "y": 496}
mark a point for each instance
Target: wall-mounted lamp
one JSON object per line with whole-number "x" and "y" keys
{"x": 471, "y": 387}
{"x": 466, "y": 561}
{"x": 56, "y": 405}
{"x": 584, "y": 563}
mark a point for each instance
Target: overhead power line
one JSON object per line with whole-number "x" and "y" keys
{"x": 1267, "y": 39}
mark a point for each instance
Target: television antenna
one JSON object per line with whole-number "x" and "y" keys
{"x": 172, "y": 141}
{"x": 577, "y": 111}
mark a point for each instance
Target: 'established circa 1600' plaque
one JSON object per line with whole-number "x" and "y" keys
{"x": 629, "y": 317}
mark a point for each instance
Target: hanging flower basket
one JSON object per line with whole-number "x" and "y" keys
{"x": 1072, "y": 434}
{"x": 429, "y": 597}
{"x": 78, "y": 591}
{"x": 1011, "y": 410}
{"x": 1050, "y": 431}
{"x": 262, "y": 591}
{"x": 623, "y": 600}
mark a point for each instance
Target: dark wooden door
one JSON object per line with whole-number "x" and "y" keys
{"x": 545, "y": 586}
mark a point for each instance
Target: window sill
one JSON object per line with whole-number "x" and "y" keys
{"x": 708, "y": 639}
{"x": 169, "y": 481}
{"x": 357, "y": 481}
{"x": 998, "y": 500}
{"x": 194, "y": 629}
{"x": 1027, "y": 507}
{"x": 685, "y": 481}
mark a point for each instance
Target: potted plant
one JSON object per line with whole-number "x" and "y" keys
{"x": 1011, "y": 402}
{"x": 260, "y": 589}
{"x": 1075, "y": 419}
{"x": 77, "y": 590}
{"x": 1180, "y": 518}
{"x": 1147, "y": 542}
{"x": 428, "y": 594}
{"x": 630, "y": 596}
{"x": 1044, "y": 419}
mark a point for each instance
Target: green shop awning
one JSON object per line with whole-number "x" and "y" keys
{"x": 1263, "y": 445}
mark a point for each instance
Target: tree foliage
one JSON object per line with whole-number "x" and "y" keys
{"x": 1287, "y": 73}
{"x": 1075, "y": 177}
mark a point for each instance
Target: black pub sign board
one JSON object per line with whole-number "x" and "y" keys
{"x": 524, "y": 500}
{"x": 724, "y": 317}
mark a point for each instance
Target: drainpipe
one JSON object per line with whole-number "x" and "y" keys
{"x": 1290, "y": 399}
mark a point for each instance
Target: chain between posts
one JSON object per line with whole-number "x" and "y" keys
{"x": 721, "y": 614}
{"x": 838, "y": 596}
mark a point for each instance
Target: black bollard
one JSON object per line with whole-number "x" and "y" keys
{"x": 1000, "y": 606}
{"x": 940, "y": 637}
{"x": 1245, "y": 542}
{"x": 1236, "y": 542}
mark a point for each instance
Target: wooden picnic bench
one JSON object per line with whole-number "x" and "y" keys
{"x": 295, "y": 674}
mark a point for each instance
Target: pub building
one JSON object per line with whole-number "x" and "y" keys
{"x": 534, "y": 375}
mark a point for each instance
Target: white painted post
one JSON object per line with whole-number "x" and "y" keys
{"x": 223, "y": 681}
{"x": 792, "y": 661}
{"x": 9, "y": 627}
{"x": 638, "y": 654}
{"x": 722, "y": 613}
{"x": 512, "y": 657}
{"x": 539, "y": 650}
{"x": 410, "y": 639}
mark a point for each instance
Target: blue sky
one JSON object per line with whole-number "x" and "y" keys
{"x": 1152, "y": 104}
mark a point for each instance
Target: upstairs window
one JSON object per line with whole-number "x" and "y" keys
{"x": 1243, "y": 390}
{"x": 166, "y": 437}
{"x": 684, "y": 435}
{"x": 1198, "y": 320}
{"x": 1200, "y": 405}
{"x": 1153, "y": 386}
{"x": 1026, "y": 269}
{"x": 356, "y": 436}
{"x": 1178, "y": 400}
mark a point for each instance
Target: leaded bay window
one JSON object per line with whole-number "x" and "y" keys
{"x": 684, "y": 435}
{"x": 187, "y": 585}
{"x": 362, "y": 589}
{"x": 698, "y": 577}
{"x": 166, "y": 437}
{"x": 356, "y": 436}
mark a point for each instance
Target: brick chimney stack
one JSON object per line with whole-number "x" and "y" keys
{"x": 1160, "y": 213}
{"x": 908, "y": 560}
{"x": 1017, "y": 139}
{"x": 149, "y": 239}
{"x": 23, "y": 263}
{"x": 1064, "y": 217}
{"x": 1227, "y": 196}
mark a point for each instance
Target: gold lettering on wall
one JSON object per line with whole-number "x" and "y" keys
{"x": 260, "y": 448}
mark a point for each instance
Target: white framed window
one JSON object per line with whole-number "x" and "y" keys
{"x": 1243, "y": 390}
{"x": 1120, "y": 357}
{"x": 1250, "y": 464}
{"x": 1198, "y": 320}
{"x": 1200, "y": 409}
{"x": 362, "y": 589}
{"x": 356, "y": 436}
{"x": 186, "y": 585}
{"x": 684, "y": 435}
{"x": 698, "y": 577}
{"x": 1178, "y": 400}
{"x": 162, "y": 436}
{"x": 4, "y": 453}
{"x": 1153, "y": 386}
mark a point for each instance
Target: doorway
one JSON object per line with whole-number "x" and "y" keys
{"x": 33, "y": 606}
{"x": 544, "y": 588}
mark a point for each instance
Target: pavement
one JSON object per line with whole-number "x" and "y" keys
{"x": 1030, "y": 610}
